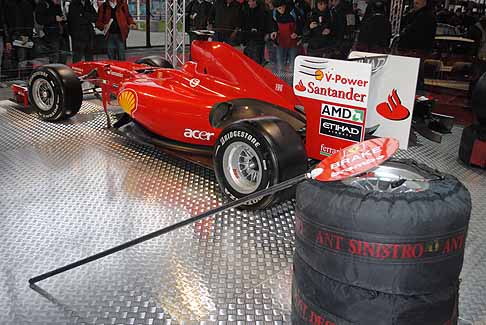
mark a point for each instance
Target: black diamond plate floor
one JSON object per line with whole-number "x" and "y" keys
{"x": 68, "y": 190}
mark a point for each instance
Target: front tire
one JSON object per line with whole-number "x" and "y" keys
{"x": 253, "y": 155}
{"x": 55, "y": 92}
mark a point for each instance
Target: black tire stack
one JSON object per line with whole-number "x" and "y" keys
{"x": 373, "y": 257}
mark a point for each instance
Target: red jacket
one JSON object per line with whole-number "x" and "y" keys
{"x": 123, "y": 17}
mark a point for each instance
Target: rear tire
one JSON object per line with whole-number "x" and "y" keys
{"x": 155, "y": 61}
{"x": 55, "y": 92}
{"x": 256, "y": 154}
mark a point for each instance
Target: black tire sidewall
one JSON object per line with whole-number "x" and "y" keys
{"x": 245, "y": 132}
{"x": 68, "y": 93}
{"x": 155, "y": 61}
{"x": 380, "y": 217}
{"x": 346, "y": 304}
{"x": 57, "y": 111}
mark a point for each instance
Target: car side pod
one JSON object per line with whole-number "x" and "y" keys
{"x": 353, "y": 160}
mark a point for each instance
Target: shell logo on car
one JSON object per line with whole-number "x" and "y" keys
{"x": 128, "y": 101}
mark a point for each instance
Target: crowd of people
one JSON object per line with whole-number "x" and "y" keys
{"x": 283, "y": 27}
{"x": 33, "y": 28}
{"x": 273, "y": 31}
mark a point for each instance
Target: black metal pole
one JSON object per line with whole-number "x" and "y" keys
{"x": 147, "y": 23}
{"x": 273, "y": 189}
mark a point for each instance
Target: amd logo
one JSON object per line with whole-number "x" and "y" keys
{"x": 199, "y": 135}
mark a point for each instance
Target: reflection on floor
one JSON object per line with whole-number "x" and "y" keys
{"x": 71, "y": 189}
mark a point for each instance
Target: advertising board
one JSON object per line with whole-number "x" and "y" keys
{"x": 335, "y": 96}
{"x": 392, "y": 94}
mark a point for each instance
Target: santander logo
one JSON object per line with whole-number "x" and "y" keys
{"x": 300, "y": 86}
{"x": 393, "y": 109}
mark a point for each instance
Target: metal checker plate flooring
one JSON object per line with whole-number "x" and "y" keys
{"x": 71, "y": 189}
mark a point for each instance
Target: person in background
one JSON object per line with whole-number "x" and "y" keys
{"x": 81, "y": 18}
{"x": 375, "y": 31}
{"x": 419, "y": 32}
{"x": 49, "y": 14}
{"x": 18, "y": 27}
{"x": 418, "y": 35}
{"x": 338, "y": 28}
{"x": 270, "y": 26}
{"x": 319, "y": 29}
{"x": 225, "y": 19}
{"x": 197, "y": 16}
{"x": 456, "y": 19}
{"x": 443, "y": 15}
{"x": 289, "y": 27}
{"x": 2, "y": 34}
{"x": 253, "y": 28}
{"x": 115, "y": 20}
{"x": 477, "y": 32}
{"x": 468, "y": 19}
{"x": 304, "y": 8}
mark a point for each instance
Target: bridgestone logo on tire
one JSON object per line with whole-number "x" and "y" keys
{"x": 38, "y": 73}
{"x": 240, "y": 134}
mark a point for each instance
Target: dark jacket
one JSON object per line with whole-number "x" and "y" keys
{"x": 19, "y": 19}
{"x": 123, "y": 17}
{"x": 226, "y": 17}
{"x": 45, "y": 15}
{"x": 288, "y": 23}
{"x": 81, "y": 19}
{"x": 338, "y": 22}
{"x": 419, "y": 31}
{"x": 374, "y": 34}
{"x": 253, "y": 24}
{"x": 201, "y": 10}
{"x": 303, "y": 9}
{"x": 2, "y": 20}
{"x": 315, "y": 38}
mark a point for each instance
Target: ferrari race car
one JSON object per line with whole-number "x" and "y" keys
{"x": 223, "y": 106}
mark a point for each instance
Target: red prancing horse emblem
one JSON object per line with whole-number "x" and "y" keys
{"x": 393, "y": 109}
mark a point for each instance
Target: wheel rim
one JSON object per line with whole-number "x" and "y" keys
{"x": 43, "y": 94}
{"x": 391, "y": 177}
{"x": 242, "y": 167}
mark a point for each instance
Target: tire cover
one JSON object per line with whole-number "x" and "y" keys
{"x": 317, "y": 299}
{"x": 399, "y": 243}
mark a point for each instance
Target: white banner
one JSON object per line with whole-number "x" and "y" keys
{"x": 392, "y": 94}
{"x": 337, "y": 81}
{"x": 335, "y": 96}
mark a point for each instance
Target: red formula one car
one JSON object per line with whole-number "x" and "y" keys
{"x": 222, "y": 105}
